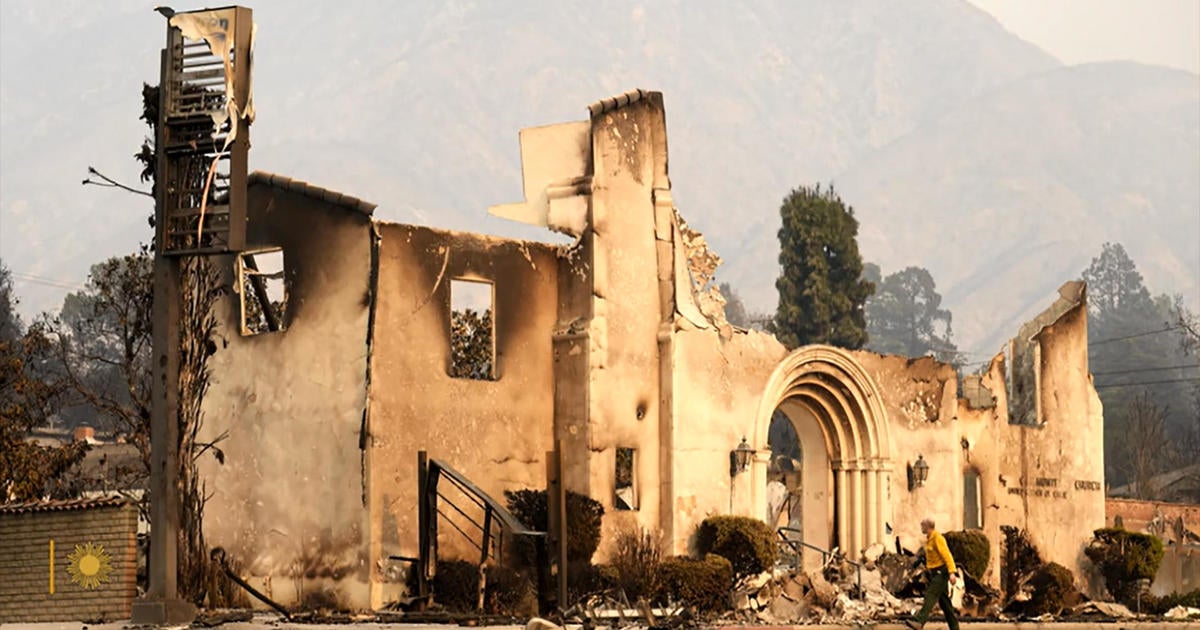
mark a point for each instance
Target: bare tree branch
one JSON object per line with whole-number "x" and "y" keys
{"x": 108, "y": 182}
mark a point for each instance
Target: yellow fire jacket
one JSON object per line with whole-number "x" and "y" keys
{"x": 937, "y": 553}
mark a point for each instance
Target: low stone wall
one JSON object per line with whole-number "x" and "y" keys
{"x": 67, "y": 561}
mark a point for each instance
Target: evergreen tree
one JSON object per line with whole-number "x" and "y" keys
{"x": 735, "y": 309}
{"x": 821, "y": 288}
{"x": 873, "y": 274}
{"x": 10, "y": 322}
{"x": 1137, "y": 346}
{"x": 905, "y": 316}
{"x": 1116, "y": 295}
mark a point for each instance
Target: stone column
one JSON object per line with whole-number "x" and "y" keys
{"x": 843, "y": 517}
{"x": 872, "y": 476}
{"x": 753, "y": 487}
{"x": 856, "y": 511}
{"x": 881, "y": 498}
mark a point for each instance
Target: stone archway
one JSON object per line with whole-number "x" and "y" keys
{"x": 841, "y": 399}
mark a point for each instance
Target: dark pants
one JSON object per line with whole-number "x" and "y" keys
{"x": 939, "y": 591}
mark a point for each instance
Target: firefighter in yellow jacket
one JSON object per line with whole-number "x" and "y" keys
{"x": 939, "y": 566}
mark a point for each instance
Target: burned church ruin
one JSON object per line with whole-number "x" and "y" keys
{"x": 370, "y": 341}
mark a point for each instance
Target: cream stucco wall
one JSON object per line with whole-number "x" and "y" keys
{"x": 718, "y": 384}
{"x": 287, "y": 504}
{"x": 494, "y": 432}
{"x": 919, "y": 399}
{"x": 1053, "y": 475}
{"x": 1046, "y": 478}
{"x": 624, "y": 403}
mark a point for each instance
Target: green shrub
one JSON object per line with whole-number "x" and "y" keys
{"x": 456, "y": 588}
{"x": 700, "y": 584}
{"x": 585, "y": 578}
{"x": 971, "y": 550}
{"x": 1021, "y": 559}
{"x": 1053, "y": 589}
{"x": 583, "y": 523}
{"x": 636, "y": 556}
{"x": 1160, "y": 605}
{"x": 1124, "y": 558}
{"x": 748, "y": 543}
{"x": 509, "y": 592}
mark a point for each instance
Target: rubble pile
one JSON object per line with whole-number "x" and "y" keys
{"x": 1100, "y": 611}
{"x": 882, "y": 586}
{"x": 1182, "y": 612}
{"x": 841, "y": 591}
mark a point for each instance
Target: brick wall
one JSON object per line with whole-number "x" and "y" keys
{"x": 1180, "y": 569}
{"x": 1137, "y": 514}
{"x": 25, "y": 568}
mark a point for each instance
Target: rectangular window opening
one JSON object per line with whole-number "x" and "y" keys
{"x": 972, "y": 501}
{"x": 626, "y": 480}
{"x": 472, "y": 330}
{"x": 1024, "y": 383}
{"x": 262, "y": 291}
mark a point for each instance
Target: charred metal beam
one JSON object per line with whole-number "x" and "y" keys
{"x": 260, "y": 292}
{"x": 218, "y": 556}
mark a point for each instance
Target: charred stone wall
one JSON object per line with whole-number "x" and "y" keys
{"x": 496, "y": 432}
{"x": 286, "y": 407}
{"x": 624, "y": 368}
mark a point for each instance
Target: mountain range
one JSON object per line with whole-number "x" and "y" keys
{"x": 962, "y": 148}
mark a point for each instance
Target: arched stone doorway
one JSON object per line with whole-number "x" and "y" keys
{"x": 845, "y": 444}
{"x": 799, "y": 475}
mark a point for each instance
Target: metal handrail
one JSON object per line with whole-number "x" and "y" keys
{"x": 825, "y": 553}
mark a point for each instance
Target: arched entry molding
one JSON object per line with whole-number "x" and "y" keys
{"x": 846, "y": 404}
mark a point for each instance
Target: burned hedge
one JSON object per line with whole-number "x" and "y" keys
{"x": 1020, "y": 560}
{"x": 636, "y": 557}
{"x": 455, "y": 587}
{"x": 748, "y": 543}
{"x": 1160, "y": 605}
{"x": 1055, "y": 588}
{"x": 701, "y": 584}
{"x": 1124, "y": 558}
{"x": 583, "y": 523}
{"x": 971, "y": 550}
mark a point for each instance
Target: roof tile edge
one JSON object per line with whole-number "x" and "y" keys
{"x": 63, "y": 505}
{"x": 616, "y": 102}
{"x": 315, "y": 192}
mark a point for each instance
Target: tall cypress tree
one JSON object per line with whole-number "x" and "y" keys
{"x": 821, "y": 286}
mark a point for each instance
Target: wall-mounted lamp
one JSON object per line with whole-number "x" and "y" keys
{"x": 918, "y": 473}
{"x": 739, "y": 458}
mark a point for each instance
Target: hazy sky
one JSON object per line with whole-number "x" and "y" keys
{"x": 94, "y": 93}
{"x": 1161, "y": 32}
